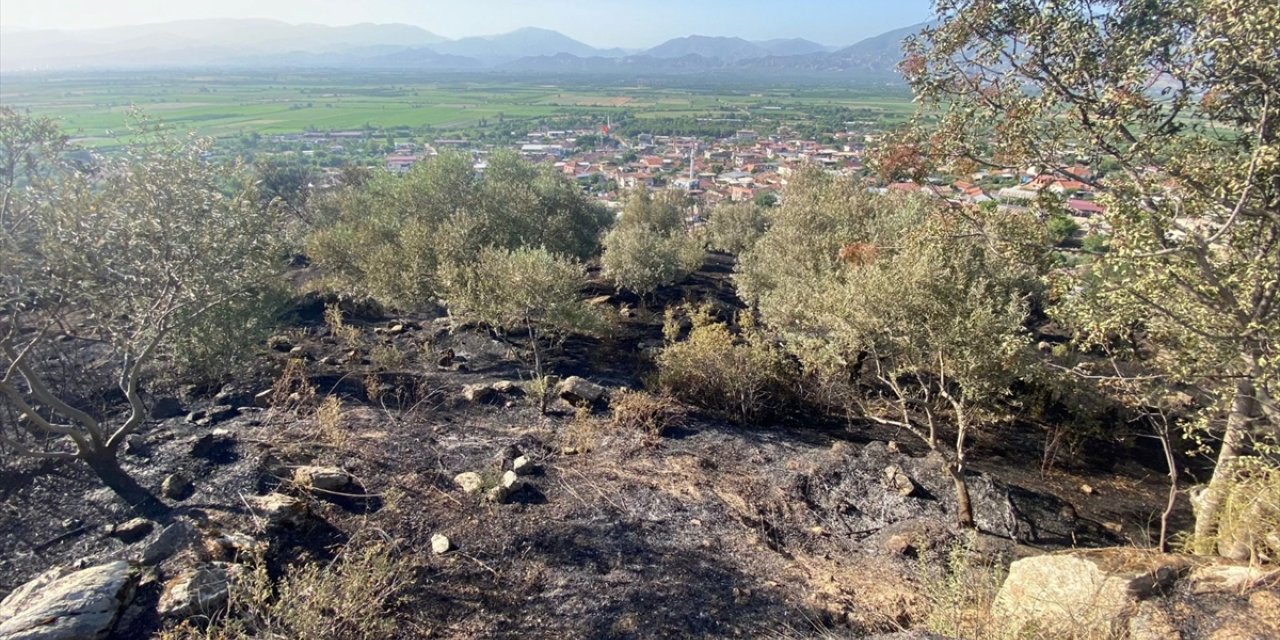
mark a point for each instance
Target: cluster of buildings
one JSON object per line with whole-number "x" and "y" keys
{"x": 750, "y": 166}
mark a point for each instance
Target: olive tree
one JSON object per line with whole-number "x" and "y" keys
{"x": 529, "y": 290}
{"x": 734, "y": 227}
{"x": 394, "y": 236}
{"x": 903, "y": 314}
{"x": 104, "y": 266}
{"x": 650, "y": 245}
{"x": 1180, "y": 102}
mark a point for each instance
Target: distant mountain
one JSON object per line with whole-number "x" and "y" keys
{"x": 517, "y": 44}
{"x": 721, "y": 48}
{"x": 792, "y": 47}
{"x": 266, "y": 44}
{"x": 194, "y": 43}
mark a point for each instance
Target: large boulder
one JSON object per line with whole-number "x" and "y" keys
{"x": 279, "y": 510}
{"x": 1090, "y": 593}
{"x": 69, "y": 604}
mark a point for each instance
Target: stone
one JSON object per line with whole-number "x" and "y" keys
{"x": 1086, "y": 489}
{"x": 509, "y": 484}
{"x": 233, "y": 396}
{"x": 440, "y": 544}
{"x": 165, "y": 408}
{"x": 470, "y": 482}
{"x": 263, "y": 398}
{"x": 1229, "y": 578}
{"x": 322, "y": 478}
{"x": 1084, "y": 593}
{"x": 69, "y": 604}
{"x": 522, "y": 465}
{"x": 481, "y": 393}
{"x": 234, "y": 546}
{"x": 133, "y": 530}
{"x": 172, "y": 539}
{"x": 899, "y": 481}
{"x": 135, "y": 444}
{"x": 177, "y": 486}
{"x": 280, "y": 343}
{"x": 396, "y": 329}
{"x": 201, "y": 591}
{"x": 576, "y": 390}
{"x": 279, "y": 510}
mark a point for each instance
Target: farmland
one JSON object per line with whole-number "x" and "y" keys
{"x": 227, "y": 104}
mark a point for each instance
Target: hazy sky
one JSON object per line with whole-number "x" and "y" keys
{"x": 626, "y": 23}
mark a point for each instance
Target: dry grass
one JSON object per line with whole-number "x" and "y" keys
{"x": 293, "y": 390}
{"x": 1248, "y": 525}
{"x": 342, "y": 332}
{"x": 583, "y": 433}
{"x": 346, "y": 599}
{"x": 329, "y": 421}
{"x": 651, "y": 415}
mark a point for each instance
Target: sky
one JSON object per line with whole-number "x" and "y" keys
{"x": 601, "y": 23}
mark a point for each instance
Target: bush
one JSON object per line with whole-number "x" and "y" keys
{"x": 641, "y": 259}
{"x": 650, "y": 246}
{"x": 651, "y": 415}
{"x": 224, "y": 340}
{"x": 743, "y": 378}
{"x": 959, "y": 596}
{"x": 734, "y": 228}
{"x": 346, "y": 599}
{"x": 395, "y": 235}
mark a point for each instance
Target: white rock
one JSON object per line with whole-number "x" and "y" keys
{"x": 440, "y": 544}
{"x": 66, "y": 604}
{"x": 470, "y": 482}
{"x": 200, "y": 591}
{"x": 522, "y": 465}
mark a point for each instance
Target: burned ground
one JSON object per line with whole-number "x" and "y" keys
{"x": 716, "y": 530}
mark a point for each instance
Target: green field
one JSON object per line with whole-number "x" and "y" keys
{"x": 92, "y": 107}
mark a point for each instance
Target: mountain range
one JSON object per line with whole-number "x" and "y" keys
{"x": 262, "y": 44}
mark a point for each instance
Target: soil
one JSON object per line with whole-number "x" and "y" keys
{"x": 715, "y": 530}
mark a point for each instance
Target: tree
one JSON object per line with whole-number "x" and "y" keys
{"x": 396, "y": 235}
{"x": 530, "y": 290}
{"x": 734, "y": 228}
{"x": 650, "y": 246}
{"x": 902, "y": 313}
{"x": 1181, "y": 101}
{"x": 103, "y": 267}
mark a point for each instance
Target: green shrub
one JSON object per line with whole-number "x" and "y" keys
{"x": 734, "y": 228}
{"x": 742, "y": 377}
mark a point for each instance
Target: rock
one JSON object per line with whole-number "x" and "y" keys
{"x": 165, "y": 408}
{"x": 212, "y": 415}
{"x": 133, "y": 530}
{"x": 263, "y": 398}
{"x": 1150, "y": 621}
{"x": 489, "y": 392}
{"x": 470, "y": 482}
{"x": 1086, "y": 489}
{"x": 322, "y": 478}
{"x": 279, "y": 343}
{"x": 234, "y": 546}
{"x": 440, "y": 544}
{"x": 215, "y": 444}
{"x": 480, "y": 393}
{"x": 279, "y": 510}
{"x": 233, "y": 396}
{"x": 577, "y": 390}
{"x": 1083, "y": 593}
{"x": 1229, "y": 578}
{"x": 901, "y": 544}
{"x": 176, "y": 486}
{"x": 396, "y": 329}
{"x": 897, "y": 479}
{"x": 509, "y": 484}
{"x": 135, "y": 444}
{"x": 202, "y": 591}
{"x": 171, "y": 540}
{"x": 522, "y": 465}
{"x": 68, "y": 604}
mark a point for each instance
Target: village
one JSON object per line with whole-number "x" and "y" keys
{"x": 749, "y": 166}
